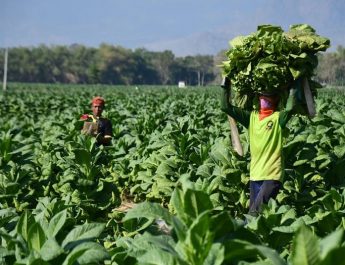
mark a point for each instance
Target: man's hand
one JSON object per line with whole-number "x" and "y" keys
{"x": 297, "y": 89}
{"x": 291, "y": 101}
{"x": 225, "y": 83}
{"x": 293, "y": 91}
{"x": 105, "y": 140}
{"x": 84, "y": 117}
{"x": 226, "y": 93}
{"x": 297, "y": 84}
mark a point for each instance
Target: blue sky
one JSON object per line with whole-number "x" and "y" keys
{"x": 141, "y": 23}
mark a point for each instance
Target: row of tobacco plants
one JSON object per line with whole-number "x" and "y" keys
{"x": 170, "y": 189}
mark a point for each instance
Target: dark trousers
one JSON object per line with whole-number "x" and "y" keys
{"x": 261, "y": 192}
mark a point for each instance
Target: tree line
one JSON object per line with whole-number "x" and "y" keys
{"x": 106, "y": 64}
{"x": 116, "y": 65}
{"x": 331, "y": 68}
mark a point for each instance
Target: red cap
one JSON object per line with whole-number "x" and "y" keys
{"x": 98, "y": 100}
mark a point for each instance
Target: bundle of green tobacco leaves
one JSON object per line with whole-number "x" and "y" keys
{"x": 271, "y": 60}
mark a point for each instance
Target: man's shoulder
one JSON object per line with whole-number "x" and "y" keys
{"x": 104, "y": 119}
{"x": 254, "y": 113}
{"x": 105, "y": 122}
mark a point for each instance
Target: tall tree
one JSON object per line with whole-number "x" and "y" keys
{"x": 145, "y": 72}
{"x": 163, "y": 61}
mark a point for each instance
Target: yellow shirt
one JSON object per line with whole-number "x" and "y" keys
{"x": 266, "y": 144}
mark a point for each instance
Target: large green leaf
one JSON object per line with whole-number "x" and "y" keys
{"x": 271, "y": 254}
{"x": 25, "y": 221}
{"x": 94, "y": 254}
{"x": 194, "y": 203}
{"x": 7, "y": 215}
{"x": 86, "y": 253}
{"x": 36, "y": 237}
{"x": 237, "y": 250}
{"x": 305, "y": 248}
{"x": 199, "y": 234}
{"x": 159, "y": 257}
{"x": 215, "y": 255}
{"x": 150, "y": 211}
{"x": 330, "y": 242}
{"x": 180, "y": 228}
{"x": 334, "y": 256}
{"x": 56, "y": 223}
{"x": 51, "y": 249}
{"x": 82, "y": 157}
{"x": 82, "y": 233}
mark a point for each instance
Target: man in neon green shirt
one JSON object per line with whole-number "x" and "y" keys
{"x": 265, "y": 129}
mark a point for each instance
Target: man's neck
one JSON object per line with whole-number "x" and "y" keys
{"x": 265, "y": 112}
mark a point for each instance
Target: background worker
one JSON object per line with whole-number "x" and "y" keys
{"x": 95, "y": 125}
{"x": 265, "y": 129}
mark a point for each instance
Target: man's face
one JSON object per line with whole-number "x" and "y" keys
{"x": 97, "y": 109}
{"x": 268, "y": 102}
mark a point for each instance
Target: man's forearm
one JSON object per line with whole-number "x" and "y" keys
{"x": 238, "y": 114}
{"x": 225, "y": 104}
{"x": 104, "y": 139}
{"x": 291, "y": 101}
{"x": 286, "y": 115}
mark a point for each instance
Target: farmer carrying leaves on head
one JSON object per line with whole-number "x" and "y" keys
{"x": 262, "y": 66}
{"x": 95, "y": 125}
{"x": 265, "y": 129}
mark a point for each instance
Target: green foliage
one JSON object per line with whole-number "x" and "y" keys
{"x": 270, "y": 60}
{"x": 63, "y": 199}
{"x": 36, "y": 240}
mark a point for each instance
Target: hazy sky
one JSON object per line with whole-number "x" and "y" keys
{"x": 136, "y": 23}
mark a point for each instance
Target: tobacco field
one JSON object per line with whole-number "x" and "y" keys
{"x": 170, "y": 190}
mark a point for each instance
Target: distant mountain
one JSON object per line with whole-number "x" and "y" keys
{"x": 210, "y": 43}
{"x": 204, "y": 43}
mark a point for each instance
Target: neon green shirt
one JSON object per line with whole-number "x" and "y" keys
{"x": 265, "y": 138}
{"x": 266, "y": 144}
